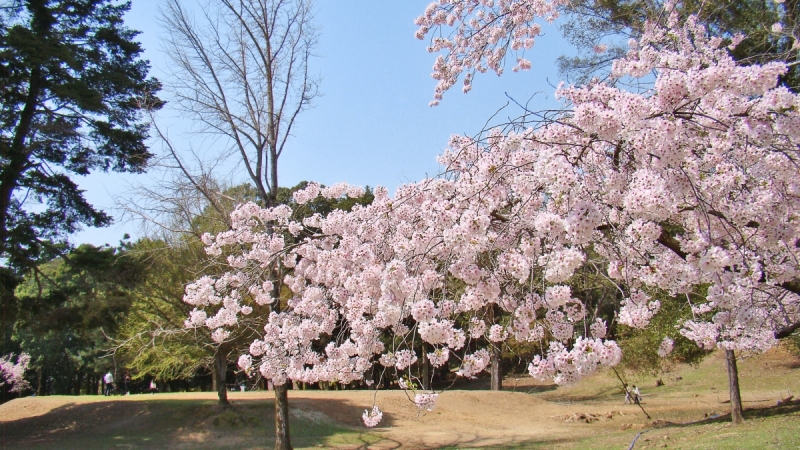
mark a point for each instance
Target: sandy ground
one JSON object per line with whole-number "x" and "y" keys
{"x": 534, "y": 412}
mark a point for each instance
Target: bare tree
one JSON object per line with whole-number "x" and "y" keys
{"x": 242, "y": 72}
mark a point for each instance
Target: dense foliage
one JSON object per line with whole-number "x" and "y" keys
{"x": 68, "y": 307}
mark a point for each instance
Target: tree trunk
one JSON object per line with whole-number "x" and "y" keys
{"x": 220, "y": 373}
{"x": 282, "y": 441}
{"x": 18, "y": 155}
{"x": 77, "y": 383}
{"x": 40, "y": 382}
{"x": 496, "y": 370}
{"x": 426, "y": 368}
{"x": 733, "y": 383}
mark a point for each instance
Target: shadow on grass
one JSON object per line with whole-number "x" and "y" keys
{"x": 510, "y": 445}
{"x": 749, "y": 414}
{"x": 536, "y": 389}
{"x": 175, "y": 424}
{"x": 472, "y": 441}
{"x": 770, "y": 411}
{"x": 599, "y": 396}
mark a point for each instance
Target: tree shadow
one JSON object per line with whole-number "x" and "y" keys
{"x": 749, "y": 414}
{"x": 463, "y": 442}
{"x": 483, "y": 383}
{"x": 601, "y": 396}
{"x": 770, "y": 411}
{"x": 793, "y": 364}
{"x": 535, "y": 389}
{"x": 201, "y": 424}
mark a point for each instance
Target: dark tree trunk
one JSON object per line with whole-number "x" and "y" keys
{"x": 76, "y": 386}
{"x": 426, "y": 368}
{"x": 40, "y": 390}
{"x": 496, "y": 371}
{"x": 733, "y": 383}
{"x": 17, "y": 155}
{"x": 273, "y": 167}
{"x": 220, "y": 373}
{"x": 282, "y": 441}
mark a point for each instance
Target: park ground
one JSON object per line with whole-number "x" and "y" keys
{"x": 688, "y": 412}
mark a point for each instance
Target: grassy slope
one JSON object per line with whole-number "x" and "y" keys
{"x": 763, "y": 380}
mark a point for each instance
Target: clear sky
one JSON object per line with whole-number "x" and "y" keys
{"x": 372, "y": 125}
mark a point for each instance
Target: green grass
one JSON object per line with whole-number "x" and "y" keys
{"x": 767, "y": 426}
{"x": 777, "y": 429}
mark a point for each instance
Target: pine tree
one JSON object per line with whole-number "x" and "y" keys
{"x": 72, "y": 91}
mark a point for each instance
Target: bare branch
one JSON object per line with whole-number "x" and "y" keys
{"x": 242, "y": 71}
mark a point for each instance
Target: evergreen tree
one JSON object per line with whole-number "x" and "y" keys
{"x": 72, "y": 91}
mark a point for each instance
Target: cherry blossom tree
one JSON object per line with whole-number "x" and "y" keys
{"x": 12, "y": 374}
{"x": 391, "y": 268}
{"x": 687, "y": 186}
{"x": 242, "y": 73}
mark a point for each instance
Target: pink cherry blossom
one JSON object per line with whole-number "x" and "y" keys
{"x": 12, "y": 374}
{"x": 372, "y": 417}
{"x": 665, "y": 348}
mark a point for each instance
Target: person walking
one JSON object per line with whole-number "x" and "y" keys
{"x": 637, "y": 396}
{"x": 627, "y": 395}
{"x": 108, "y": 381}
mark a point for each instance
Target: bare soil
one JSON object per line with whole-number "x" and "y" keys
{"x": 527, "y": 413}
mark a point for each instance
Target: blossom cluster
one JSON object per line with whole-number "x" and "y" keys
{"x": 665, "y": 348}
{"x": 13, "y": 373}
{"x": 372, "y": 417}
{"x": 568, "y": 366}
{"x": 483, "y": 32}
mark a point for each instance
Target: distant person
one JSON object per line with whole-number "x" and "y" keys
{"x": 126, "y": 383}
{"x": 108, "y": 381}
{"x": 637, "y": 396}
{"x": 153, "y": 387}
{"x": 627, "y": 395}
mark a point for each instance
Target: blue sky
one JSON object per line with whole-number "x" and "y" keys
{"x": 372, "y": 125}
